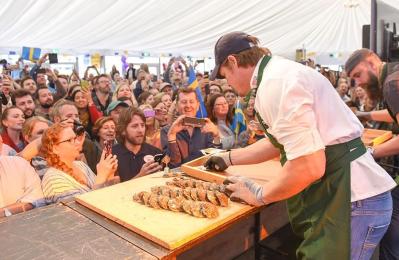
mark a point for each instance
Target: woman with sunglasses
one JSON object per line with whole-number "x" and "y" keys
{"x": 67, "y": 177}
{"x": 152, "y": 129}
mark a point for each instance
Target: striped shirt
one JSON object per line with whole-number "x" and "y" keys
{"x": 58, "y": 185}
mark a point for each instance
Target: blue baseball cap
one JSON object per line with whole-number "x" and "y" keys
{"x": 231, "y": 43}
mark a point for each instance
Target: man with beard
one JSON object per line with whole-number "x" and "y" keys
{"x": 381, "y": 81}
{"x": 132, "y": 149}
{"x": 45, "y": 100}
{"x": 22, "y": 99}
{"x": 101, "y": 94}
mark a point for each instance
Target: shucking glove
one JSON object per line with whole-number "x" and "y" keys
{"x": 245, "y": 190}
{"x": 218, "y": 162}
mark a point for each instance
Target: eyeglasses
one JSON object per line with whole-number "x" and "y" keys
{"x": 71, "y": 140}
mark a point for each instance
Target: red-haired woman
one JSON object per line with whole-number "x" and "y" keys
{"x": 67, "y": 177}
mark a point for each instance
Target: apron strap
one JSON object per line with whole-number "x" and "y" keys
{"x": 348, "y": 152}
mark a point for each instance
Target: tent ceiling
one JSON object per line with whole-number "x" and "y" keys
{"x": 179, "y": 26}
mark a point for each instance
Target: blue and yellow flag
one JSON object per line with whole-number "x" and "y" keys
{"x": 193, "y": 84}
{"x": 238, "y": 124}
{"x": 31, "y": 54}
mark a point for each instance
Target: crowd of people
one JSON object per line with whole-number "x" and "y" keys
{"x": 64, "y": 135}
{"x": 60, "y": 126}
{"x": 47, "y": 116}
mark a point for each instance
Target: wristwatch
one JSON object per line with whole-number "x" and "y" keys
{"x": 7, "y": 213}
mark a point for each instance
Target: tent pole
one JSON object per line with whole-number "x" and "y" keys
{"x": 373, "y": 26}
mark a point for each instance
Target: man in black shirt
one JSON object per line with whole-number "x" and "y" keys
{"x": 131, "y": 148}
{"x": 381, "y": 82}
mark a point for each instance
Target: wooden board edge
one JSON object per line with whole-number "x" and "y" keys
{"x": 131, "y": 227}
{"x": 183, "y": 243}
{"x": 203, "y": 175}
{"x": 382, "y": 139}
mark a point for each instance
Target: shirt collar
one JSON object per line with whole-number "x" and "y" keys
{"x": 124, "y": 150}
{"x": 254, "y": 77}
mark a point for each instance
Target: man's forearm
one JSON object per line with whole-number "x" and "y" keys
{"x": 31, "y": 150}
{"x": 381, "y": 116}
{"x": 17, "y": 207}
{"x": 388, "y": 148}
{"x": 258, "y": 152}
{"x": 296, "y": 175}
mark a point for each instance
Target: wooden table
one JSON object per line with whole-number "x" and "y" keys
{"x": 73, "y": 231}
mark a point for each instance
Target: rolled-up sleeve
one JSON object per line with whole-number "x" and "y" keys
{"x": 295, "y": 126}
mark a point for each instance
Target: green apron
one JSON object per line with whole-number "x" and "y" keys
{"x": 321, "y": 213}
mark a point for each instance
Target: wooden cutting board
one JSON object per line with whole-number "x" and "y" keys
{"x": 261, "y": 172}
{"x": 169, "y": 229}
{"x": 373, "y": 137}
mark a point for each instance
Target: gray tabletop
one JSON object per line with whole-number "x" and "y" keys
{"x": 59, "y": 232}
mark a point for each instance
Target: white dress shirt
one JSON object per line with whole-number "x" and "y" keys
{"x": 19, "y": 182}
{"x": 305, "y": 113}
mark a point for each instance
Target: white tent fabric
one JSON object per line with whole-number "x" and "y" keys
{"x": 181, "y": 26}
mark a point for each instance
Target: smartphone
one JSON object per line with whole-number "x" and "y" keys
{"x": 158, "y": 157}
{"x": 194, "y": 122}
{"x": 149, "y": 113}
{"x": 53, "y": 58}
{"x": 6, "y": 71}
{"x": 85, "y": 84}
{"x": 207, "y": 90}
{"x": 108, "y": 147}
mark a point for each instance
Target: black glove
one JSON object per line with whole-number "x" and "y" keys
{"x": 218, "y": 162}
